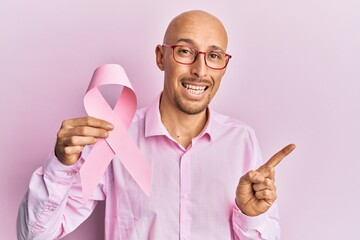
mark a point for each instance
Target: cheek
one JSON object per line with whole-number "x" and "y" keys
{"x": 217, "y": 79}
{"x": 175, "y": 71}
{"x": 215, "y": 88}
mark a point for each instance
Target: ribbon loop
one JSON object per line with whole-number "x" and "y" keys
{"x": 118, "y": 142}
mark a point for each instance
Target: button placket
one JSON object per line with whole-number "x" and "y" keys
{"x": 185, "y": 196}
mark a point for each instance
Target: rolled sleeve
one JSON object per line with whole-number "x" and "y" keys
{"x": 60, "y": 173}
{"x": 263, "y": 226}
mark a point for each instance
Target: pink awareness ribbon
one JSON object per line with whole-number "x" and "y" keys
{"x": 118, "y": 142}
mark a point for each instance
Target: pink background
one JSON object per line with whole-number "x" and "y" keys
{"x": 294, "y": 77}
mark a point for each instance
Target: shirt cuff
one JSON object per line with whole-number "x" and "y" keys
{"x": 247, "y": 223}
{"x": 59, "y": 172}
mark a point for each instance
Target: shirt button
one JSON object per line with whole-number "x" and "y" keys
{"x": 51, "y": 208}
{"x": 70, "y": 173}
{"x": 186, "y": 196}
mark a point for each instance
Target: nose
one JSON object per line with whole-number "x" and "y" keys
{"x": 199, "y": 68}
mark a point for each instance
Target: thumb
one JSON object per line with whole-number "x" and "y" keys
{"x": 252, "y": 177}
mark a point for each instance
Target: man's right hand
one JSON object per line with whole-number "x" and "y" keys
{"x": 75, "y": 133}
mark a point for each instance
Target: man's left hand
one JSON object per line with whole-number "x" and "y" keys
{"x": 256, "y": 191}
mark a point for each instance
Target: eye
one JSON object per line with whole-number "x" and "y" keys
{"x": 184, "y": 51}
{"x": 215, "y": 56}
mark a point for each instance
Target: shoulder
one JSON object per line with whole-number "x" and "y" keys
{"x": 233, "y": 132}
{"x": 227, "y": 122}
{"x": 137, "y": 125}
{"x": 226, "y": 127}
{"x": 140, "y": 114}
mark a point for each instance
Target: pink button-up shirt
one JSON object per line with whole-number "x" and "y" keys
{"x": 192, "y": 194}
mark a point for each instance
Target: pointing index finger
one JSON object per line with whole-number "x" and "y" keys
{"x": 276, "y": 159}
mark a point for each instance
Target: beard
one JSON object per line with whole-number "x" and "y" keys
{"x": 191, "y": 108}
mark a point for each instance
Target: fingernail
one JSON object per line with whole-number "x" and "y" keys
{"x": 110, "y": 126}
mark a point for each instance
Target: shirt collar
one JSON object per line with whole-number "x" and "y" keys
{"x": 154, "y": 126}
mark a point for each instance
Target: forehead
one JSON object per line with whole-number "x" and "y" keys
{"x": 201, "y": 32}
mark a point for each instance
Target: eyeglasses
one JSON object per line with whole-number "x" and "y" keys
{"x": 186, "y": 55}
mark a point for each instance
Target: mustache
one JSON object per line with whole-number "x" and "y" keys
{"x": 196, "y": 80}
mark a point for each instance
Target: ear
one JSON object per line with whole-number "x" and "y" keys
{"x": 159, "y": 57}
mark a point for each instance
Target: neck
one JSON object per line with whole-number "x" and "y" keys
{"x": 181, "y": 126}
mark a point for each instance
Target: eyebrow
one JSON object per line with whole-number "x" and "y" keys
{"x": 190, "y": 41}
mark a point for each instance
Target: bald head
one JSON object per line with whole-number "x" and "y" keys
{"x": 189, "y": 87}
{"x": 197, "y": 26}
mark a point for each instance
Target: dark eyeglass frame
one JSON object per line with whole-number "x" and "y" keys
{"x": 228, "y": 56}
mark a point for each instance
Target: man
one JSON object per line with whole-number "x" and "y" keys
{"x": 197, "y": 157}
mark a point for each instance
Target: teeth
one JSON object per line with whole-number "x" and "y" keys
{"x": 194, "y": 89}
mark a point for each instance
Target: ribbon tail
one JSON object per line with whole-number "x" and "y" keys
{"x": 94, "y": 167}
{"x": 132, "y": 159}
{"x": 136, "y": 164}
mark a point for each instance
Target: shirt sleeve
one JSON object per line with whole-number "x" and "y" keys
{"x": 52, "y": 206}
{"x": 265, "y": 226}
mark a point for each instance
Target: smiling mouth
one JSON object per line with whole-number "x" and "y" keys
{"x": 193, "y": 89}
